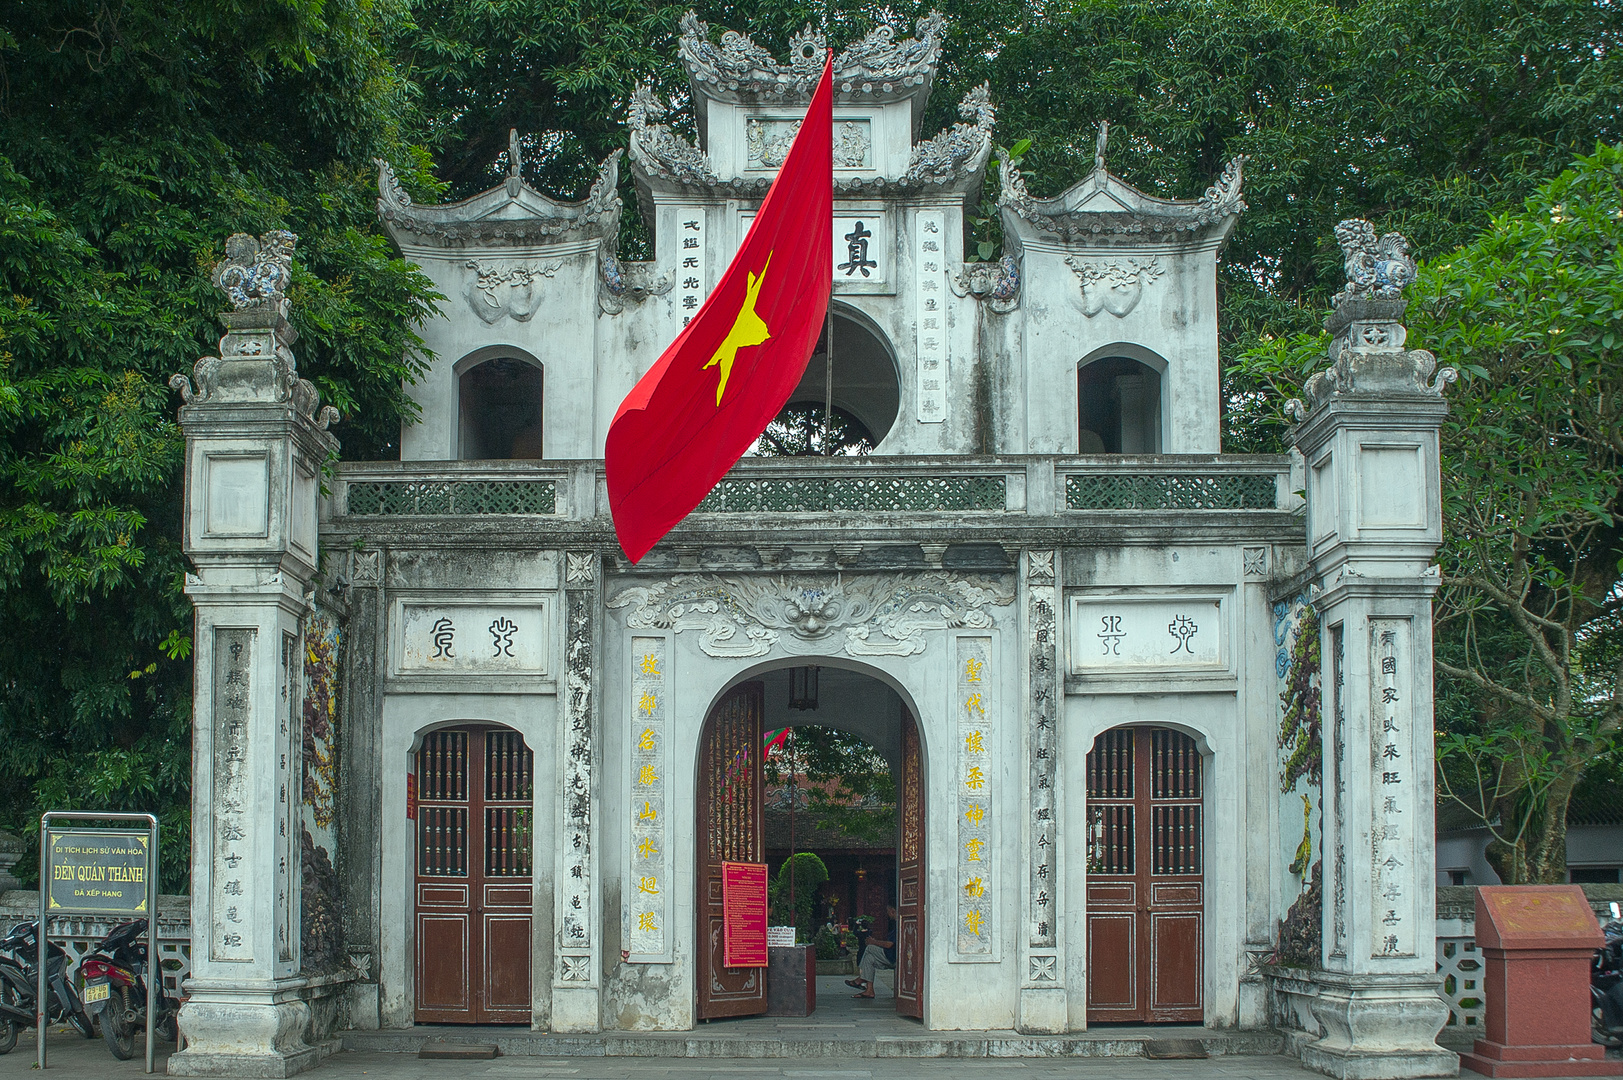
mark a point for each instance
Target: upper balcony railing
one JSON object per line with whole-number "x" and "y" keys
{"x": 1028, "y": 485}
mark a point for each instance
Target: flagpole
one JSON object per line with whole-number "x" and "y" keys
{"x": 828, "y": 358}
{"x": 828, "y": 386}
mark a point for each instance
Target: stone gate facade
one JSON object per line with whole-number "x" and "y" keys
{"x": 1044, "y": 545}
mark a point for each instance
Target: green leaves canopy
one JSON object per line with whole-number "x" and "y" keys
{"x": 133, "y": 138}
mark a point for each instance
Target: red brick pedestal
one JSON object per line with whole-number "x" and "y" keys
{"x": 1537, "y": 941}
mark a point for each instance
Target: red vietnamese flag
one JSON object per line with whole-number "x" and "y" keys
{"x": 732, "y": 369}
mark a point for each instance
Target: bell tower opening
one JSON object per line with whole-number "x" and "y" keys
{"x": 500, "y": 410}
{"x": 866, "y": 396}
{"x": 1118, "y": 406}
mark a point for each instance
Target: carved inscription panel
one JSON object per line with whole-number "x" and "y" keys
{"x": 483, "y": 638}
{"x": 1138, "y": 633}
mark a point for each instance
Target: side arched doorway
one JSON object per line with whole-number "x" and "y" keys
{"x": 1146, "y": 882}
{"x": 475, "y": 787}
{"x": 729, "y": 826}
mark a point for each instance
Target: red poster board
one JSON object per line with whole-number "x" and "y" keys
{"x": 411, "y": 796}
{"x": 743, "y": 907}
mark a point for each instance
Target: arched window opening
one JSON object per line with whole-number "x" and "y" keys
{"x": 866, "y": 397}
{"x": 500, "y": 410}
{"x": 1118, "y": 407}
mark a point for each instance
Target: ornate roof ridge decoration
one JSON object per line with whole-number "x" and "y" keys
{"x": 1367, "y": 354}
{"x": 659, "y": 155}
{"x": 511, "y": 213}
{"x": 959, "y": 151}
{"x": 868, "y": 615}
{"x": 256, "y": 364}
{"x": 1102, "y": 207}
{"x": 659, "y": 151}
{"x": 877, "y": 68}
{"x": 621, "y": 283}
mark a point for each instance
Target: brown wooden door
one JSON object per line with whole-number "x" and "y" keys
{"x": 730, "y": 830}
{"x": 910, "y": 878}
{"x": 475, "y": 839}
{"x": 1145, "y": 885}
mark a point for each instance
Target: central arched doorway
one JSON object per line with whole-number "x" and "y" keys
{"x": 730, "y": 825}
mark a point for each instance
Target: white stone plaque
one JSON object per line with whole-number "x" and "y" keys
{"x": 930, "y": 313}
{"x": 690, "y": 265}
{"x": 1127, "y": 634}
{"x": 487, "y": 638}
{"x": 237, "y": 495}
{"x": 861, "y": 248}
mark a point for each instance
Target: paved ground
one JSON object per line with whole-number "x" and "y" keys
{"x": 74, "y": 1058}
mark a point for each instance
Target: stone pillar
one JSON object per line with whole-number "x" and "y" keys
{"x": 1044, "y": 1008}
{"x": 1369, "y": 438}
{"x": 577, "y": 963}
{"x": 256, "y": 440}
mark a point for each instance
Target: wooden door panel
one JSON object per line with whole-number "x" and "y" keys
{"x": 507, "y": 968}
{"x": 730, "y": 829}
{"x": 442, "y": 967}
{"x": 474, "y": 848}
{"x": 1112, "y": 963}
{"x": 910, "y": 878}
{"x": 1176, "y": 947}
{"x": 1145, "y": 847}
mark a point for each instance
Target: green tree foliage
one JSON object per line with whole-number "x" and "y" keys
{"x": 1530, "y": 616}
{"x": 848, "y": 783}
{"x": 134, "y": 137}
{"x": 799, "y": 878}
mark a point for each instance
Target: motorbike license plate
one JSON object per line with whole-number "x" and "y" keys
{"x": 96, "y": 991}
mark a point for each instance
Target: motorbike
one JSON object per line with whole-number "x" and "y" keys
{"x": 115, "y": 978}
{"x": 1606, "y": 984}
{"x": 19, "y": 977}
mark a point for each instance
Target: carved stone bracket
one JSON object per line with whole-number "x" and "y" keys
{"x": 867, "y": 616}
{"x": 998, "y": 284}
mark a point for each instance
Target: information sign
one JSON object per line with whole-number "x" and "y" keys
{"x": 743, "y": 907}
{"x": 98, "y": 871}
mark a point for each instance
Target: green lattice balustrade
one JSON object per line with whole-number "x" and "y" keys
{"x": 869, "y": 494}
{"x": 1121, "y": 492}
{"x": 452, "y": 497}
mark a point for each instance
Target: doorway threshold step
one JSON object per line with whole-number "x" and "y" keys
{"x": 772, "y": 1042}
{"x": 440, "y": 1050}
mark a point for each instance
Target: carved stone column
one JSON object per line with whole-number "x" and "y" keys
{"x": 1044, "y": 1006}
{"x": 578, "y": 949}
{"x": 1369, "y": 436}
{"x": 255, "y": 443}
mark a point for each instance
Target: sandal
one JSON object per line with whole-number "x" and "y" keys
{"x": 856, "y": 984}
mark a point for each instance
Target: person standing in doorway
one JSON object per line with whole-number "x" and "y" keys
{"x": 880, "y": 954}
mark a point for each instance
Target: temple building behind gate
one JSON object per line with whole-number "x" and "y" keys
{"x": 437, "y": 708}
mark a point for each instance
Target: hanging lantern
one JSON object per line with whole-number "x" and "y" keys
{"x": 803, "y": 688}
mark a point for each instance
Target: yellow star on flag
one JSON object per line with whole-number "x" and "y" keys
{"x": 748, "y": 329}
